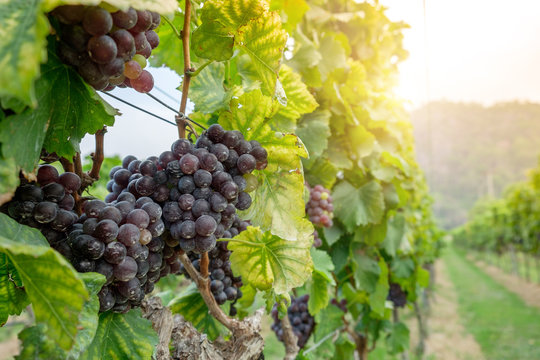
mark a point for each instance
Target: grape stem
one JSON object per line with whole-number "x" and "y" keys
{"x": 290, "y": 339}
{"x": 180, "y": 121}
{"x": 203, "y": 284}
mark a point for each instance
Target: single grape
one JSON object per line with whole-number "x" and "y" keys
{"x": 145, "y": 185}
{"x": 110, "y": 212}
{"x": 204, "y": 243}
{"x": 105, "y": 269}
{"x": 139, "y": 218}
{"x": 53, "y": 192}
{"x": 244, "y": 201}
{"x": 69, "y": 14}
{"x": 189, "y": 164}
{"x": 141, "y": 60}
{"x": 102, "y": 49}
{"x": 132, "y": 69}
{"x": 144, "y": 21}
{"x": 115, "y": 252}
{"x": 205, "y": 225}
{"x": 47, "y": 174}
{"x": 153, "y": 210}
{"x": 129, "y": 289}
{"x": 144, "y": 83}
{"x": 106, "y": 230}
{"x": 125, "y": 19}
{"x": 45, "y": 212}
{"x": 215, "y": 132}
{"x": 200, "y": 207}
{"x": 246, "y": 163}
{"x": 97, "y": 21}
{"x": 126, "y": 269}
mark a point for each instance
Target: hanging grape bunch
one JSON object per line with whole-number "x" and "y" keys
{"x": 114, "y": 240}
{"x": 397, "y": 295}
{"x": 223, "y": 284}
{"x": 46, "y": 205}
{"x": 320, "y": 210}
{"x": 340, "y": 304}
{"x": 108, "y": 49}
{"x": 301, "y": 320}
{"x": 199, "y": 187}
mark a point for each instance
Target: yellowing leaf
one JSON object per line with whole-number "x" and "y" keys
{"x": 268, "y": 262}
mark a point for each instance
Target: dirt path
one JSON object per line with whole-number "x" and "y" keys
{"x": 448, "y": 339}
{"x": 529, "y": 292}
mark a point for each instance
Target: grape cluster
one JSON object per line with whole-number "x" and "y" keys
{"x": 120, "y": 241}
{"x": 199, "y": 187}
{"x": 223, "y": 284}
{"x": 301, "y": 320}
{"x": 397, "y": 295}
{"x": 47, "y": 206}
{"x": 340, "y": 304}
{"x": 108, "y": 49}
{"x": 319, "y": 209}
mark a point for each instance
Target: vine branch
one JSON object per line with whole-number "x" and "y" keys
{"x": 289, "y": 338}
{"x": 98, "y": 155}
{"x": 180, "y": 121}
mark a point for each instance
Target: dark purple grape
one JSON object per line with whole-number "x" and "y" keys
{"x": 110, "y": 212}
{"x": 29, "y": 193}
{"x": 154, "y": 261}
{"x": 121, "y": 177}
{"x": 259, "y": 153}
{"x": 105, "y": 269}
{"x": 141, "y": 201}
{"x": 69, "y": 14}
{"x": 165, "y": 158}
{"x": 200, "y": 207}
{"x": 217, "y": 202}
{"x": 208, "y": 162}
{"x": 229, "y": 190}
{"x": 153, "y": 38}
{"x": 53, "y": 192}
{"x": 106, "y": 230}
{"x": 156, "y": 20}
{"x": 153, "y": 210}
{"x": 97, "y": 21}
{"x": 186, "y": 184}
{"x": 127, "y": 197}
{"x": 133, "y": 166}
{"x": 127, "y": 160}
{"x": 189, "y": 164}
{"x": 202, "y": 193}
{"x": 243, "y": 147}
{"x": 125, "y": 19}
{"x": 45, "y": 212}
{"x": 187, "y": 245}
{"x": 156, "y": 228}
{"x": 204, "y": 243}
{"x": 148, "y": 168}
{"x": 47, "y": 174}
{"x": 220, "y": 151}
{"x": 241, "y": 182}
{"x": 230, "y": 139}
{"x": 231, "y": 293}
{"x": 156, "y": 245}
{"x": 63, "y": 220}
{"x": 244, "y": 201}
{"x": 139, "y": 218}
{"x": 187, "y": 229}
{"x": 89, "y": 226}
{"x": 202, "y": 178}
{"x": 128, "y": 234}
{"x": 126, "y": 269}
{"x": 246, "y": 163}
{"x": 129, "y": 289}
{"x": 84, "y": 265}
{"x": 181, "y": 147}
{"x": 221, "y": 298}
{"x": 106, "y": 299}
{"x": 142, "y": 268}
{"x": 172, "y": 212}
{"x": 76, "y": 37}
{"x": 205, "y": 225}
{"x": 145, "y": 185}
{"x": 215, "y": 132}
{"x": 115, "y": 252}
{"x": 231, "y": 161}
{"x": 220, "y": 177}
{"x": 144, "y": 21}
{"x": 186, "y": 201}
{"x": 161, "y": 194}
{"x": 203, "y": 143}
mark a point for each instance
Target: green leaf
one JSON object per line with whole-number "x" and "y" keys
{"x": 334, "y": 55}
{"x": 323, "y": 263}
{"x": 88, "y": 318}
{"x": 23, "y": 31}
{"x": 263, "y": 40}
{"x": 268, "y": 262}
{"x": 9, "y": 179}
{"x": 37, "y": 345}
{"x": 319, "y": 297}
{"x": 160, "y": 6}
{"x": 398, "y": 339}
{"x": 402, "y": 268}
{"x": 362, "y": 140}
{"x": 358, "y": 206}
{"x": 331, "y": 235}
{"x": 329, "y": 323}
{"x": 278, "y": 204}
{"x": 321, "y": 171}
{"x": 377, "y": 299}
{"x": 207, "y": 90}
{"x": 170, "y": 51}
{"x": 367, "y": 273}
{"x": 221, "y": 21}
{"x": 52, "y": 285}
{"x": 394, "y": 234}
{"x": 422, "y": 276}
{"x": 292, "y": 11}
{"x": 192, "y": 307}
{"x": 13, "y": 298}
{"x": 299, "y": 99}
{"x": 122, "y": 336}
{"x": 315, "y": 131}
{"x": 68, "y": 109}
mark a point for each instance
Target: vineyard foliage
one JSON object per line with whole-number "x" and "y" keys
{"x": 508, "y": 224}
{"x": 311, "y": 81}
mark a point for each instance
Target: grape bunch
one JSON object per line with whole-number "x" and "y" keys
{"x": 301, "y": 320}
{"x": 397, "y": 295}
{"x": 119, "y": 240}
{"x": 223, "y": 284}
{"x": 320, "y": 210}
{"x": 199, "y": 187}
{"x": 46, "y": 205}
{"x": 108, "y": 49}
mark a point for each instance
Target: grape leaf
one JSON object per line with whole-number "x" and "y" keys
{"x": 299, "y": 99}
{"x": 215, "y": 38}
{"x": 334, "y": 55}
{"x": 8, "y": 179}
{"x": 292, "y": 11}
{"x": 207, "y": 90}
{"x": 328, "y": 324}
{"x": 122, "y": 336}
{"x": 394, "y": 234}
{"x": 362, "y": 140}
{"x": 367, "y": 273}
{"x": 170, "y": 51}
{"x": 160, "y": 6}
{"x": 278, "y": 204}
{"x": 263, "y": 40}
{"x": 37, "y": 345}
{"x": 323, "y": 263}
{"x": 314, "y": 131}
{"x": 23, "y": 29}
{"x": 13, "y": 298}
{"x": 377, "y": 299}
{"x": 398, "y": 339}
{"x": 268, "y": 262}
{"x": 358, "y": 206}
{"x": 56, "y": 292}
{"x": 402, "y": 268}
{"x": 192, "y": 307}
{"x": 320, "y": 171}
{"x": 318, "y": 295}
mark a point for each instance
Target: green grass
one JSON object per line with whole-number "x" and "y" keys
{"x": 499, "y": 320}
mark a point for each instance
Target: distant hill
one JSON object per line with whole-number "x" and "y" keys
{"x": 476, "y": 151}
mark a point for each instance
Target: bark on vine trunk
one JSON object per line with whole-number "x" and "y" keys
{"x": 179, "y": 340}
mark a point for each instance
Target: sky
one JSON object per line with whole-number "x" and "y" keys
{"x": 470, "y": 50}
